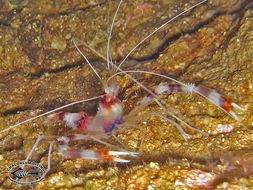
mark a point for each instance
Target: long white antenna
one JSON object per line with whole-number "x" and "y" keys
{"x": 109, "y": 37}
{"x": 46, "y": 113}
{"x": 159, "y": 28}
{"x": 147, "y": 72}
{"x": 90, "y": 48}
{"x": 86, "y": 60}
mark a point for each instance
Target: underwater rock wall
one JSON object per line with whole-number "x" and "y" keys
{"x": 40, "y": 69}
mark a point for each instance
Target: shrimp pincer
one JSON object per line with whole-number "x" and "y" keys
{"x": 217, "y": 99}
{"x": 211, "y": 95}
{"x": 108, "y": 155}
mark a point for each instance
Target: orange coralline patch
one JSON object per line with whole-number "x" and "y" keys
{"x": 120, "y": 48}
{"x": 140, "y": 9}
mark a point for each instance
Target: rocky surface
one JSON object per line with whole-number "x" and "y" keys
{"x": 40, "y": 69}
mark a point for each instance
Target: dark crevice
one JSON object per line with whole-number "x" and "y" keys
{"x": 4, "y": 24}
{"x": 8, "y": 18}
{"x": 91, "y": 108}
{"x": 57, "y": 70}
{"x": 14, "y": 111}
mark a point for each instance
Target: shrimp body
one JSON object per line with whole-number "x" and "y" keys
{"x": 96, "y": 127}
{"x": 109, "y": 114}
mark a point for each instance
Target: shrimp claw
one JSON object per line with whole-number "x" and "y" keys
{"x": 219, "y": 100}
{"x": 211, "y": 95}
{"x": 106, "y": 155}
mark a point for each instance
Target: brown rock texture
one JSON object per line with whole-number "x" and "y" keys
{"x": 40, "y": 69}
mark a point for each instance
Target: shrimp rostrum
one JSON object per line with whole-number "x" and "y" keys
{"x": 109, "y": 117}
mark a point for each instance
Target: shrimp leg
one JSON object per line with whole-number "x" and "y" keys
{"x": 49, "y": 158}
{"x": 39, "y": 139}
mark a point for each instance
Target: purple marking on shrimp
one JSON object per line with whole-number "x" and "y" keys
{"x": 203, "y": 90}
{"x": 71, "y": 137}
{"x": 73, "y": 154}
{"x": 60, "y": 143}
{"x": 61, "y": 115}
{"x": 109, "y": 128}
{"x": 119, "y": 121}
{"x": 175, "y": 87}
{"x": 150, "y": 96}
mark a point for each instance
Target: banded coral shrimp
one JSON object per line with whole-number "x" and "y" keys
{"x": 178, "y": 88}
